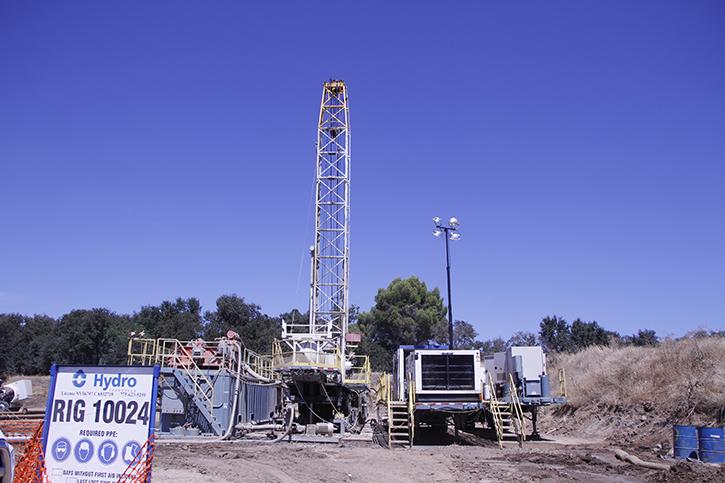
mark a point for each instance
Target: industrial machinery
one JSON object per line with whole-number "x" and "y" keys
{"x": 209, "y": 387}
{"x": 316, "y": 357}
{"x": 313, "y": 381}
{"x": 517, "y": 383}
{"x": 12, "y": 395}
{"x": 431, "y": 384}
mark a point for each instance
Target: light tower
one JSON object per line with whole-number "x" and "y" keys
{"x": 451, "y": 232}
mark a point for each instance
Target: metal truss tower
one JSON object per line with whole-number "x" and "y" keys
{"x": 327, "y": 326}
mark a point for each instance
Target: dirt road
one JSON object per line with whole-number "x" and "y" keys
{"x": 360, "y": 462}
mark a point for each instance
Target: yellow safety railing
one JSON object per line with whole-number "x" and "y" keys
{"x": 284, "y": 356}
{"x": 562, "y": 382}
{"x": 192, "y": 356}
{"x": 390, "y": 409}
{"x": 141, "y": 352}
{"x": 411, "y": 411}
{"x": 516, "y": 411}
{"x": 180, "y": 355}
{"x": 382, "y": 389}
{"x": 360, "y": 371}
{"x": 259, "y": 364}
{"x": 493, "y": 406}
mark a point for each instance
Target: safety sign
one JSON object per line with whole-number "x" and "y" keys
{"x": 97, "y": 420}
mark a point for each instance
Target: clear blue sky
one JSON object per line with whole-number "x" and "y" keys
{"x": 150, "y": 150}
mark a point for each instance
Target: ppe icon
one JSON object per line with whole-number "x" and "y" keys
{"x": 84, "y": 450}
{"x": 130, "y": 451}
{"x": 61, "y": 449}
{"x": 107, "y": 452}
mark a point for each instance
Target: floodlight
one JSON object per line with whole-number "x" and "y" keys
{"x": 453, "y": 222}
{"x": 437, "y": 233}
{"x": 437, "y": 220}
{"x": 455, "y": 236}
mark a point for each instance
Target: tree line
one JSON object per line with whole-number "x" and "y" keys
{"x": 405, "y": 312}
{"x": 30, "y": 344}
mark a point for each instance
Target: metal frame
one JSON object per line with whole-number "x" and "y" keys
{"x": 325, "y": 331}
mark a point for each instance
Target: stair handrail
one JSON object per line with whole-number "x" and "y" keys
{"x": 411, "y": 412}
{"x": 390, "y": 410}
{"x": 184, "y": 366}
{"x": 495, "y": 411}
{"x": 517, "y": 410}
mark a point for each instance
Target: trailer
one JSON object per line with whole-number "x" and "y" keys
{"x": 518, "y": 382}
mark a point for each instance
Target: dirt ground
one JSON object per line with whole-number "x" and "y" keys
{"x": 467, "y": 460}
{"x": 578, "y": 446}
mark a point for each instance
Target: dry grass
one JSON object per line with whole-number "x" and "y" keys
{"x": 681, "y": 378}
{"x": 630, "y": 391}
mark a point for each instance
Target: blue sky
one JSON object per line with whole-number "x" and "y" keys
{"x": 150, "y": 150}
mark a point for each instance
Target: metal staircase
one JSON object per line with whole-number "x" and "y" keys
{"x": 200, "y": 391}
{"x": 400, "y": 414}
{"x": 508, "y": 417}
{"x": 400, "y": 429}
{"x": 192, "y": 368}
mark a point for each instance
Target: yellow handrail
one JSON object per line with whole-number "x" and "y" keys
{"x": 562, "y": 382}
{"x": 495, "y": 411}
{"x": 516, "y": 403}
{"x": 177, "y": 358}
{"x": 411, "y": 411}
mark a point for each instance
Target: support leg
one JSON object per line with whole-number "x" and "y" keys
{"x": 534, "y": 419}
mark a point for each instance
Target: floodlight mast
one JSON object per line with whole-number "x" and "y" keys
{"x": 451, "y": 232}
{"x": 329, "y": 288}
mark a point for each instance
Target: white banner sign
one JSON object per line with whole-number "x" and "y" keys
{"x": 96, "y": 421}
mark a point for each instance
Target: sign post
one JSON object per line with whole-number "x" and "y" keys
{"x": 97, "y": 420}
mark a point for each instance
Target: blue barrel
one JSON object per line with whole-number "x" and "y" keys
{"x": 712, "y": 444}
{"x": 545, "y": 386}
{"x": 685, "y": 441}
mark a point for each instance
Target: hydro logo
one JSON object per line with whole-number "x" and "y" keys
{"x": 79, "y": 378}
{"x": 119, "y": 380}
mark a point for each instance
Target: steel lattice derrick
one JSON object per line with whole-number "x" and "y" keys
{"x": 325, "y": 330}
{"x": 329, "y": 294}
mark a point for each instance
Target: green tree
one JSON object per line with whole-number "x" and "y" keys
{"x": 405, "y": 312}
{"x": 10, "y": 347}
{"x": 38, "y": 340}
{"x": 180, "y": 319}
{"x": 522, "y": 338}
{"x": 585, "y": 334}
{"x": 645, "y": 337}
{"x": 465, "y": 335}
{"x": 88, "y": 337}
{"x": 490, "y": 346}
{"x": 555, "y": 334}
{"x": 256, "y": 329}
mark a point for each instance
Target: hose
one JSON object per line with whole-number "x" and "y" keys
{"x": 230, "y": 441}
{"x": 235, "y": 400}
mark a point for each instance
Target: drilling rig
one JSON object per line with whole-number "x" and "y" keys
{"x": 316, "y": 357}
